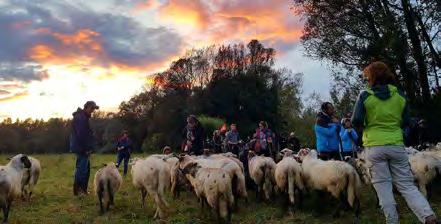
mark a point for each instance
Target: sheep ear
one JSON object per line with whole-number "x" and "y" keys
{"x": 9, "y": 158}
{"x": 104, "y": 164}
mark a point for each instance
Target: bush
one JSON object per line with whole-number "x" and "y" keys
{"x": 210, "y": 124}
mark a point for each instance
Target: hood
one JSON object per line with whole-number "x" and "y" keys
{"x": 383, "y": 92}
{"x": 323, "y": 119}
{"x": 77, "y": 112}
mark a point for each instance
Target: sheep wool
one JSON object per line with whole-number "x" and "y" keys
{"x": 107, "y": 182}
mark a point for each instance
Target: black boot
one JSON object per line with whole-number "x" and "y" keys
{"x": 76, "y": 189}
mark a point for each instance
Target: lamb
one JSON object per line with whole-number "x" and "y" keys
{"x": 30, "y": 178}
{"x": 152, "y": 176}
{"x": 214, "y": 186}
{"x": 261, "y": 170}
{"x": 336, "y": 177}
{"x": 107, "y": 182}
{"x": 11, "y": 176}
{"x": 288, "y": 176}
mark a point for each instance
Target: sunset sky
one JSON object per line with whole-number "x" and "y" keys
{"x": 56, "y": 54}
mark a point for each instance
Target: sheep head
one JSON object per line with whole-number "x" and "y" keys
{"x": 20, "y": 161}
{"x": 251, "y": 154}
{"x": 191, "y": 169}
{"x": 286, "y": 152}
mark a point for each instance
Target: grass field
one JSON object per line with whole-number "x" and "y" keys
{"x": 53, "y": 202}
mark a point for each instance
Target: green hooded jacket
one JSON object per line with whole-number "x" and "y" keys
{"x": 381, "y": 112}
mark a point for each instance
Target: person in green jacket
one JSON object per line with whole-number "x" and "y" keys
{"x": 382, "y": 111}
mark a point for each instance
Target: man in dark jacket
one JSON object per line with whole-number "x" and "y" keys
{"x": 82, "y": 143}
{"x": 124, "y": 148}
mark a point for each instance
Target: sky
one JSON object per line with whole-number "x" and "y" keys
{"x": 57, "y": 54}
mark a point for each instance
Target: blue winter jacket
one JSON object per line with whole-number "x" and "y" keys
{"x": 348, "y": 139}
{"x": 327, "y": 134}
{"x": 327, "y": 138}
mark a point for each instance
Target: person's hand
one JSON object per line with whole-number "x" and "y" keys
{"x": 349, "y": 129}
{"x": 88, "y": 153}
{"x": 335, "y": 120}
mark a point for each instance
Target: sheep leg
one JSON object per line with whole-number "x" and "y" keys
{"x": 143, "y": 195}
{"x": 357, "y": 211}
{"x": 300, "y": 198}
{"x": 100, "y": 197}
{"x": 110, "y": 192}
{"x": 6, "y": 209}
{"x": 341, "y": 205}
{"x": 429, "y": 190}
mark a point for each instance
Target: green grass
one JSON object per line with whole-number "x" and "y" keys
{"x": 53, "y": 202}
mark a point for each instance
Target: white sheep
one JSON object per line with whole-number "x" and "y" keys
{"x": 261, "y": 170}
{"x": 425, "y": 167}
{"x": 107, "y": 182}
{"x": 212, "y": 185}
{"x": 152, "y": 176}
{"x": 336, "y": 177}
{"x": 30, "y": 178}
{"x": 10, "y": 182}
{"x": 288, "y": 177}
{"x": 234, "y": 170}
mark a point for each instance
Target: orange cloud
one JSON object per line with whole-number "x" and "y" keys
{"x": 186, "y": 12}
{"x": 83, "y": 39}
{"x": 220, "y": 21}
{"x": 41, "y": 52}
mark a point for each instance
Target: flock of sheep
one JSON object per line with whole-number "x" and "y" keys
{"x": 219, "y": 180}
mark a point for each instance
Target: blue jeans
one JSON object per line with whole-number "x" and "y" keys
{"x": 123, "y": 156}
{"x": 82, "y": 171}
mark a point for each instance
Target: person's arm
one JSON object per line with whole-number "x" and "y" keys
{"x": 344, "y": 134}
{"x": 359, "y": 114}
{"x": 405, "y": 116}
{"x": 354, "y": 135}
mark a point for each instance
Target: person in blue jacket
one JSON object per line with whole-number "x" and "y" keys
{"x": 82, "y": 143}
{"x": 124, "y": 148}
{"x": 327, "y": 130}
{"x": 348, "y": 138}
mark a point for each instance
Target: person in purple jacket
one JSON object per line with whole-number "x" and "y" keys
{"x": 82, "y": 143}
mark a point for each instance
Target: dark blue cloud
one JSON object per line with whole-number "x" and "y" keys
{"x": 24, "y": 24}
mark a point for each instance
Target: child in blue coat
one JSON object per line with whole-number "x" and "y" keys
{"x": 348, "y": 137}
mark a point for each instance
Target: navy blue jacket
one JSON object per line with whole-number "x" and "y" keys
{"x": 82, "y": 139}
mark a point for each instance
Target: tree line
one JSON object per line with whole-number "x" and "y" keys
{"x": 234, "y": 83}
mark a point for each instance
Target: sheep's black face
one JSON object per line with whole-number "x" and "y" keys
{"x": 26, "y": 162}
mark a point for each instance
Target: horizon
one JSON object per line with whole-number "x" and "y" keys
{"x": 59, "y": 54}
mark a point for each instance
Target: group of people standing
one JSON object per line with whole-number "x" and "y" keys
{"x": 335, "y": 139}
{"x": 381, "y": 112}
